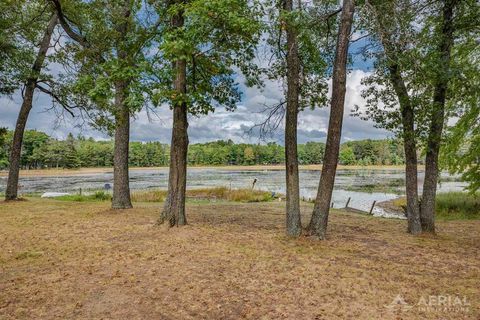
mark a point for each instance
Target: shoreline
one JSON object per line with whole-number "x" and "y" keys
{"x": 101, "y": 170}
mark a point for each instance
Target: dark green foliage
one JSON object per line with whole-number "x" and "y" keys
{"x": 217, "y": 39}
{"x": 347, "y": 156}
{"x": 372, "y": 152}
{"x": 228, "y": 153}
{"x": 33, "y": 141}
{"x": 311, "y": 153}
{"x": 21, "y": 28}
{"x": 312, "y": 23}
{"x": 414, "y": 35}
{"x": 41, "y": 151}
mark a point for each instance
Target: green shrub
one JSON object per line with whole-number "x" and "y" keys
{"x": 102, "y": 195}
{"x": 451, "y": 205}
{"x": 458, "y": 205}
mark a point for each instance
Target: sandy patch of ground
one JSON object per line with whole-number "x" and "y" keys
{"x": 65, "y": 260}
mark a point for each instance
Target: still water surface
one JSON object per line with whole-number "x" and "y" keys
{"x": 363, "y": 186}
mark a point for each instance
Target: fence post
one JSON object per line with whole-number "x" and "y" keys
{"x": 348, "y": 201}
{"x": 373, "y": 205}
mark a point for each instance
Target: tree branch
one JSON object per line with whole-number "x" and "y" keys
{"x": 56, "y": 98}
{"x": 273, "y": 120}
{"x": 66, "y": 26}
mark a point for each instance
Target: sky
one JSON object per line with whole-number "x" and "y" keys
{"x": 221, "y": 124}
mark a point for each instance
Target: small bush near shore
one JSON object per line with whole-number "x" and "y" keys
{"x": 458, "y": 205}
{"x": 452, "y": 205}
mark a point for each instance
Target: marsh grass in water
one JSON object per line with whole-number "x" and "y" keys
{"x": 386, "y": 186}
{"x": 219, "y": 193}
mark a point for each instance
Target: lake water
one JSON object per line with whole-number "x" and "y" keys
{"x": 363, "y": 186}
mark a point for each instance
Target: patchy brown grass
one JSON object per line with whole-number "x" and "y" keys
{"x": 71, "y": 260}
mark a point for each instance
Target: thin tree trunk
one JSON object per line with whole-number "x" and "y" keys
{"x": 427, "y": 212}
{"x": 174, "y": 208}
{"x": 319, "y": 220}
{"x": 293, "y": 220}
{"x": 121, "y": 183}
{"x": 409, "y": 144}
{"x": 11, "y": 192}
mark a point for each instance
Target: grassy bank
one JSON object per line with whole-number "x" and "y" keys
{"x": 96, "y": 196}
{"x": 66, "y": 260}
{"x": 217, "y": 193}
{"x": 458, "y": 205}
{"x": 451, "y": 205}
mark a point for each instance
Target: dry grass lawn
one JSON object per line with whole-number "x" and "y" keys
{"x": 71, "y": 260}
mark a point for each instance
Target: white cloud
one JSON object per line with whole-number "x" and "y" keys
{"x": 221, "y": 124}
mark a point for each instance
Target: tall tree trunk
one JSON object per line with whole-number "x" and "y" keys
{"x": 121, "y": 183}
{"x": 427, "y": 212}
{"x": 319, "y": 220}
{"x": 409, "y": 144}
{"x": 174, "y": 208}
{"x": 11, "y": 192}
{"x": 293, "y": 220}
{"x": 407, "y": 116}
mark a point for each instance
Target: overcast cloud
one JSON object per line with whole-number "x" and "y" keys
{"x": 221, "y": 124}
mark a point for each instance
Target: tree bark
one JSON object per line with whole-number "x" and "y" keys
{"x": 427, "y": 212}
{"x": 293, "y": 219}
{"x": 174, "y": 208}
{"x": 319, "y": 220}
{"x": 408, "y": 120}
{"x": 11, "y": 192}
{"x": 121, "y": 183}
{"x": 410, "y": 147}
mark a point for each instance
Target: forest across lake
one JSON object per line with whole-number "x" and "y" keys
{"x": 43, "y": 151}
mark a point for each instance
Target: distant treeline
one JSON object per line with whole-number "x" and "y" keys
{"x": 42, "y": 151}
